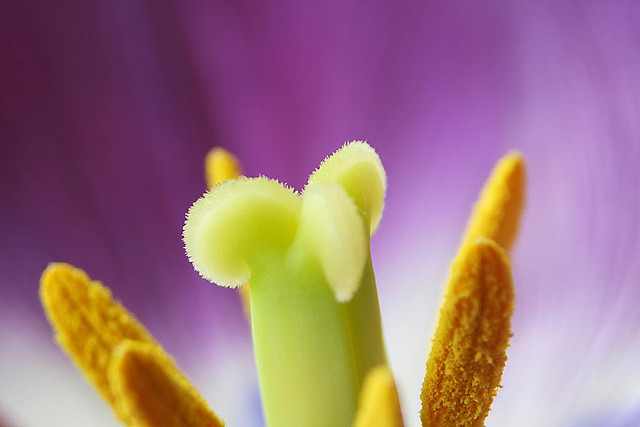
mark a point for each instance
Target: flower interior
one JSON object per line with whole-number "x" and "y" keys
{"x": 303, "y": 261}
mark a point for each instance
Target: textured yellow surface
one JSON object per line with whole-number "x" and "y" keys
{"x": 379, "y": 403}
{"x": 151, "y": 390}
{"x": 220, "y": 165}
{"x": 469, "y": 348}
{"x": 94, "y": 330}
{"x": 496, "y": 215}
{"x": 88, "y": 323}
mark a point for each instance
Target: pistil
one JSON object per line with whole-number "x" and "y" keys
{"x": 314, "y": 307}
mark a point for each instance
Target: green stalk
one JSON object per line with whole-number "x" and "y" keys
{"x": 363, "y": 315}
{"x": 312, "y": 352}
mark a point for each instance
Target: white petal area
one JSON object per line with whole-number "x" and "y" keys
{"x": 572, "y": 365}
{"x": 410, "y": 287}
{"x": 230, "y": 385}
{"x": 40, "y": 386}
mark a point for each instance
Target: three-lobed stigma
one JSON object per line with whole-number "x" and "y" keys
{"x": 239, "y": 224}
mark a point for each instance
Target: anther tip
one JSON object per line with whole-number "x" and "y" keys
{"x": 56, "y": 277}
{"x": 221, "y": 165}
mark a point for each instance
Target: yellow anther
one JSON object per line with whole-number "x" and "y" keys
{"x": 497, "y": 213}
{"x": 220, "y": 165}
{"x": 153, "y": 392}
{"x": 90, "y": 326}
{"x": 469, "y": 348}
{"x": 88, "y": 323}
{"x": 244, "y": 293}
{"x": 379, "y": 403}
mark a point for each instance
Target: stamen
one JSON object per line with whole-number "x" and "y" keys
{"x": 379, "y": 403}
{"x": 496, "y": 215}
{"x": 220, "y": 165}
{"x": 469, "y": 348}
{"x": 153, "y": 392}
{"x": 90, "y": 326}
{"x": 88, "y": 323}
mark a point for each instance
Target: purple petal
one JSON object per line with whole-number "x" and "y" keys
{"x": 108, "y": 109}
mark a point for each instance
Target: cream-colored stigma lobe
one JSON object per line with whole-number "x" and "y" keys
{"x": 379, "y": 403}
{"x": 468, "y": 353}
{"x": 237, "y": 224}
{"x": 358, "y": 169}
{"x": 90, "y": 325}
{"x": 151, "y": 390}
{"x": 497, "y": 213}
{"x": 331, "y": 228}
{"x": 220, "y": 165}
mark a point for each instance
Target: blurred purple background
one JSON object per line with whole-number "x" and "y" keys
{"x": 107, "y": 111}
